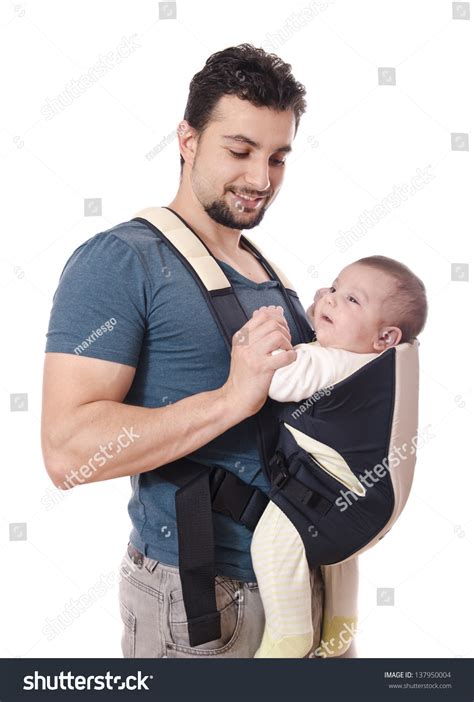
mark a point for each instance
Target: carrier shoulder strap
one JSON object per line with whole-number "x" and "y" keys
{"x": 202, "y": 488}
{"x": 220, "y": 295}
{"x": 217, "y": 288}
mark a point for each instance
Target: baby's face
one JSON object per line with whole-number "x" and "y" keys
{"x": 349, "y": 315}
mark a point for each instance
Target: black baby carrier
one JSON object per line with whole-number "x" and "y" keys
{"x": 370, "y": 403}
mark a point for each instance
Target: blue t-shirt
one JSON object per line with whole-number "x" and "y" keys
{"x": 123, "y": 296}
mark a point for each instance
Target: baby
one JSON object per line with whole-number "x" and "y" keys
{"x": 373, "y": 304}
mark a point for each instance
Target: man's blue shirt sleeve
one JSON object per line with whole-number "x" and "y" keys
{"x": 100, "y": 306}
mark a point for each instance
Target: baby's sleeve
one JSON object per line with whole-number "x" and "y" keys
{"x": 316, "y": 367}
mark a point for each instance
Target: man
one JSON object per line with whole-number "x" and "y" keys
{"x": 159, "y": 371}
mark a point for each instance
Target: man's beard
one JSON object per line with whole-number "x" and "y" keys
{"x": 221, "y": 213}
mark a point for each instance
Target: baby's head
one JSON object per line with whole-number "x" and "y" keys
{"x": 373, "y": 304}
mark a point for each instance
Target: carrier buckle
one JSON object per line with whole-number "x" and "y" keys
{"x": 281, "y": 478}
{"x": 277, "y": 462}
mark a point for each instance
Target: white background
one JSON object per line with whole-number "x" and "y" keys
{"x": 358, "y": 141}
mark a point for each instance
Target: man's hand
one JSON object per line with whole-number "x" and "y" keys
{"x": 252, "y": 363}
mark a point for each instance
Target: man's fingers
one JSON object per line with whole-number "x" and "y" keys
{"x": 265, "y": 320}
{"x": 260, "y": 316}
{"x": 269, "y": 310}
{"x": 264, "y": 339}
{"x": 267, "y": 329}
{"x": 273, "y": 341}
{"x": 282, "y": 359}
{"x": 267, "y": 324}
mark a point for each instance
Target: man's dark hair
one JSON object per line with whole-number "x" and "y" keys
{"x": 248, "y": 72}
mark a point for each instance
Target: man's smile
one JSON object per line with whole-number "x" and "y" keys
{"x": 247, "y": 201}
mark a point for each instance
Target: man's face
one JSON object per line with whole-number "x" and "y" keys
{"x": 240, "y": 161}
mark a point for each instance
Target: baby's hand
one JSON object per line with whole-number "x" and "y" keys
{"x": 268, "y": 307}
{"x": 317, "y": 297}
{"x": 319, "y": 293}
{"x": 273, "y": 308}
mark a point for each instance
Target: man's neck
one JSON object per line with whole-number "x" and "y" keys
{"x": 217, "y": 237}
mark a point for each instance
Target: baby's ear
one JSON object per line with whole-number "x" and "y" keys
{"x": 388, "y": 336}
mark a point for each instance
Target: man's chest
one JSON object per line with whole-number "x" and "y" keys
{"x": 251, "y": 268}
{"x": 247, "y": 265}
{"x": 183, "y": 346}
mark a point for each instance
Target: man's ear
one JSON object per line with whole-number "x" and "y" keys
{"x": 388, "y": 336}
{"x": 187, "y": 139}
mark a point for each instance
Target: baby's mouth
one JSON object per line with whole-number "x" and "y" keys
{"x": 325, "y": 318}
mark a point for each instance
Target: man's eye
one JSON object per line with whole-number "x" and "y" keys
{"x": 352, "y": 299}
{"x": 243, "y": 154}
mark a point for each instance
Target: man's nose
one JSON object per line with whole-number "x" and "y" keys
{"x": 256, "y": 176}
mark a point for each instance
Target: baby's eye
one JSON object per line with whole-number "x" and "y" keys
{"x": 352, "y": 299}
{"x": 332, "y": 289}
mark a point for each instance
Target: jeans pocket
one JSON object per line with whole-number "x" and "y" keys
{"x": 229, "y": 599}
{"x": 141, "y": 610}
{"x": 128, "y": 632}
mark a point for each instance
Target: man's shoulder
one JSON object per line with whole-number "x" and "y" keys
{"x": 125, "y": 247}
{"x": 124, "y": 243}
{"x": 132, "y": 233}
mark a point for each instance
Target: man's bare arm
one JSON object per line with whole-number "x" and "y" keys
{"x": 88, "y": 434}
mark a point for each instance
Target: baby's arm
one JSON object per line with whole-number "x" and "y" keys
{"x": 316, "y": 367}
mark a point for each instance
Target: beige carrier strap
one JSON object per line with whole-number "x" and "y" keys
{"x": 192, "y": 248}
{"x": 339, "y": 617}
{"x": 188, "y": 244}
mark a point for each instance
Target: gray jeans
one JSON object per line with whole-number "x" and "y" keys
{"x": 154, "y": 618}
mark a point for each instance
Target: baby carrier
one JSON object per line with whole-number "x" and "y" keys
{"x": 370, "y": 403}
